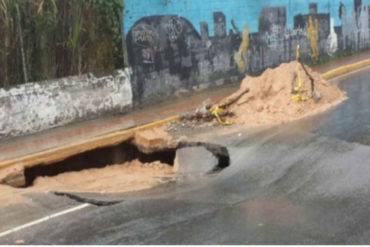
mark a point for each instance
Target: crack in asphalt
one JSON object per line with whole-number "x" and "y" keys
{"x": 98, "y": 203}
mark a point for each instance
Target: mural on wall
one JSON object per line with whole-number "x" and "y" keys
{"x": 240, "y": 57}
{"x": 167, "y": 53}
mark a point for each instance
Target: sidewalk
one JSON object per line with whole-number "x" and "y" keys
{"x": 20, "y": 146}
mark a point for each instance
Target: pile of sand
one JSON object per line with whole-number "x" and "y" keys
{"x": 269, "y": 100}
{"x": 130, "y": 176}
{"x": 127, "y": 177}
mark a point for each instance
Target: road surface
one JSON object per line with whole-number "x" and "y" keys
{"x": 303, "y": 183}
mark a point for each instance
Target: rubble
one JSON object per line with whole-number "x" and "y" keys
{"x": 152, "y": 140}
{"x": 187, "y": 160}
{"x": 13, "y": 176}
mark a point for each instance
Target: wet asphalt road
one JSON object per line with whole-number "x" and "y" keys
{"x": 304, "y": 183}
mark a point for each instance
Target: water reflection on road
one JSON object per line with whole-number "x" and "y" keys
{"x": 303, "y": 183}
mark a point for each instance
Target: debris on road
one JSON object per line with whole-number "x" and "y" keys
{"x": 152, "y": 140}
{"x": 272, "y": 97}
{"x": 13, "y": 176}
{"x": 129, "y": 176}
{"x": 286, "y": 93}
{"x": 19, "y": 241}
{"x": 187, "y": 160}
{"x": 208, "y": 112}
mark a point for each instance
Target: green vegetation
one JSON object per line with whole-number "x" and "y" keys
{"x": 44, "y": 39}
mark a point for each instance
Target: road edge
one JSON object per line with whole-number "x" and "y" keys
{"x": 61, "y": 153}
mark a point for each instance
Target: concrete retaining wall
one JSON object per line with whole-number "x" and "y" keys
{"x": 34, "y": 107}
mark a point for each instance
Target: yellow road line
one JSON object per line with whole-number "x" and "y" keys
{"x": 61, "y": 153}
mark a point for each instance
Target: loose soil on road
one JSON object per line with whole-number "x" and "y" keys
{"x": 263, "y": 102}
{"x": 270, "y": 101}
{"x": 130, "y": 176}
{"x": 120, "y": 178}
{"x": 10, "y": 196}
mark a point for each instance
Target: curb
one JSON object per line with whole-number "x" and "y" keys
{"x": 345, "y": 69}
{"x": 64, "y": 152}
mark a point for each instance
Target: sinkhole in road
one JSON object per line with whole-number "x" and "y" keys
{"x": 99, "y": 158}
{"x": 153, "y": 164}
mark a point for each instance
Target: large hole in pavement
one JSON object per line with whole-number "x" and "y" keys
{"x": 98, "y": 158}
{"x": 119, "y": 154}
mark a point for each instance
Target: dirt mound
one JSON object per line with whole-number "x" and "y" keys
{"x": 269, "y": 100}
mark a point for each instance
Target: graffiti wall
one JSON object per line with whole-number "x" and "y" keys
{"x": 181, "y": 44}
{"x": 178, "y": 46}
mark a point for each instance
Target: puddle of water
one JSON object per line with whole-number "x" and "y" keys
{"x": 351, "y": 120}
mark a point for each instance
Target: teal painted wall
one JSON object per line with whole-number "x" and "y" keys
{"x": 241, "y": 11}
{"x": 189, "y": 42}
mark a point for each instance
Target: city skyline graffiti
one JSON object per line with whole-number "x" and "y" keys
{"x": 168, "y": 53}
{"x": 240, "y": 11}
